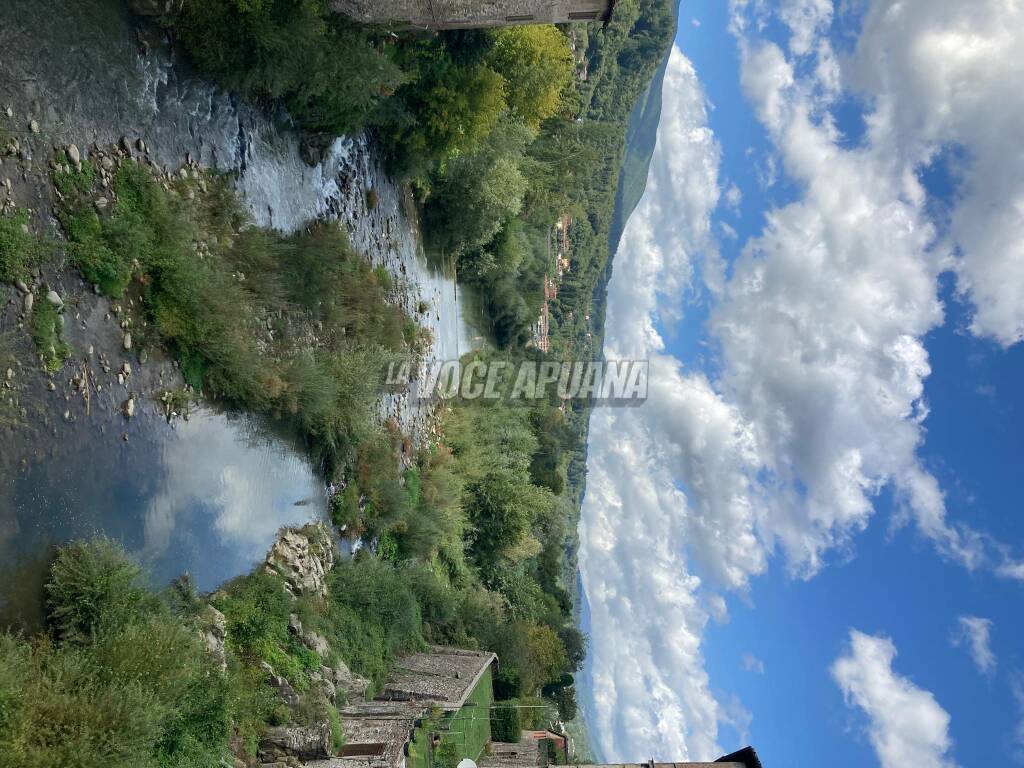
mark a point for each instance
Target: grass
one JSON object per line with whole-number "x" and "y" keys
{"x": 464, "y": 734}
{"x": 52, "y": 349}
{"x": 20, "y": 250}
{"x": 211, "y": 284}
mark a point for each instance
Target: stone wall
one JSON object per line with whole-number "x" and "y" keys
{"x": 464, "y": 14}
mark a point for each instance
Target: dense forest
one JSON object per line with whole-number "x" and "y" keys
{"x": 499, "y": 134}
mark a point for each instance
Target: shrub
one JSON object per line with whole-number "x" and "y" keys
{"x": 53, "y": 350}
{"x": 93, "y": 588}
{"x": 506, "y": 724}
{"x": 19, "y": 249}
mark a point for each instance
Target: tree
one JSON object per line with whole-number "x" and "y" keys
{"x": 537, "y": 65}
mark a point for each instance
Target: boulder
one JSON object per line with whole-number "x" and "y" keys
{"x": 312, "y": 742}
{"x": 74, "y": 156}
{"x": 303, "y": 557}
{"x": 127, "y": 341}
{"x": 284, "y": 688}
{"x": 350, "y": 685}
{"x": 129, "y": 407}
{"x": 29, "y": 301}
{"x": 54, "y": 298}
{"x": 214, "y": 631}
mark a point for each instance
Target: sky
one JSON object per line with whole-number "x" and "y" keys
{"x": 808, "y": 538}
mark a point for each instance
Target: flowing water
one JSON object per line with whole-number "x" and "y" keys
{"x": 204, "y": 495}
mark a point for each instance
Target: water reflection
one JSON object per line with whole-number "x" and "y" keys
{"x": 206, "y": 497}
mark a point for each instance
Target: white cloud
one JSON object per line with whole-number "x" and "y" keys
{"x": 753, "y": 664}
{"x": 820, "y": 405}
{"x": 648, "y": 611}
{"x": 806, "y": 20}
{"x": 907, "y": 726}
{"x": 948, "y": 73}
{"x": 733, "y": 196}
{"x": 695, "y": 22}
{"x": 976, "y": 634}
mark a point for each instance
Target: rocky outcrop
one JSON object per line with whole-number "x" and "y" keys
{"x": 303, "y": 557}
{"x": 346, "y": 682}
{"x": 214, "y": 630}
{"x": 284, "y": 688}
{"x": 304, "y": 742}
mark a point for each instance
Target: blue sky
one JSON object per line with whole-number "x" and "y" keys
{"x": 811, "y": 529}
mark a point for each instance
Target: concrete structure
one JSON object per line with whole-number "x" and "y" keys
{"x": 468, "y": 14}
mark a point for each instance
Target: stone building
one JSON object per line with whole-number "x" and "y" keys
{"x": 467, "y": 14}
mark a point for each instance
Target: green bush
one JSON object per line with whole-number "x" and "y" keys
{"x": 94, "y": 588}
{"x": 19, "y": 249}
{"x": 506, "y": 724}
{"x": 52, "y": 349}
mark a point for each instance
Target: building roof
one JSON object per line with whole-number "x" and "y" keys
{"x": 443, "y": 676}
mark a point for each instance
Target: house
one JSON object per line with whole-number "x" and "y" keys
{"x": 437, "y": 683}
{"x": 468, "y": 14}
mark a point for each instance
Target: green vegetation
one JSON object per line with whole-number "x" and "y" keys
{"x": 506, "y": 724}
{"x": 121, "y": 681}
{"x": 212, "y": 285}
{"x": 463, "y": 734}
{"x": 19, "y": 248}
{"x": 46, "y": 328}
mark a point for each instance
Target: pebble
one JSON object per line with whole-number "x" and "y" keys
{"x": 10, "y": 374}
{"x": 9, "y": 112}
{"x": 51, "y": 386}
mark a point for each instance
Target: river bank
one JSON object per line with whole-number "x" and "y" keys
{"x": 207, "y": 494}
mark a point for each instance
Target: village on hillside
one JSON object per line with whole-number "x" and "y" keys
{"x": 438, "y": 709}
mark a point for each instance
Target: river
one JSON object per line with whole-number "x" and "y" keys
{"x": 204, "y": 495}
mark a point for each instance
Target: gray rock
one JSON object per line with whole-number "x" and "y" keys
{"x": 129, "y": 407}
{"x": 54, "y": 298}
{"x": 127, "y": 341}
{"x": 29, "y": 300}
{"x": 316, "y": 643}
{"x": 303, "y": 557}
{"x": 304, "y": 742}
{"x": 74, "y": 156}
{"x": 214, "y": 630}
{"x": 20, "y": 285}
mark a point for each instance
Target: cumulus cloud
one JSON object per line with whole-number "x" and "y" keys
{"x": 651, "y": 694}
{"x": 818, "y": 326}
{"x": 945, "y": 73}
{"x": 753, "y": 664}
{"x": 906, "y": 725}
{"x": 976, "y": 634}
